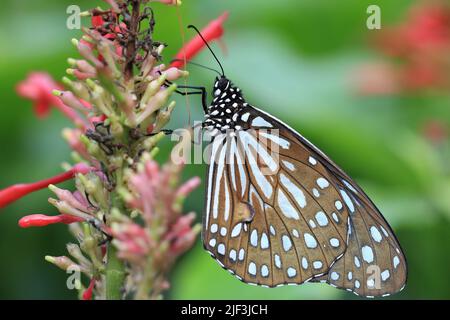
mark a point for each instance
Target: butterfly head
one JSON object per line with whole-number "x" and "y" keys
{"x": 221, "y": 85}
{"x": 224, "y": 90}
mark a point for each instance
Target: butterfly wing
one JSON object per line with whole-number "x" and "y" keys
{"x": 278, "y": 211}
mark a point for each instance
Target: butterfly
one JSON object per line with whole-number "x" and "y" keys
{"x": 278, "y": 211}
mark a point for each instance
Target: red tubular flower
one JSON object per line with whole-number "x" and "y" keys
{"x": 17, "y": 191}
{"x": 87, "y": 294}
{"x": 213, "y": 31}
{"x": 38, "y": 87}
{"x": 42, "y": 220}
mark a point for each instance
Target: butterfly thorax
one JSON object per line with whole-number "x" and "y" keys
{"x": 223, "y": 113}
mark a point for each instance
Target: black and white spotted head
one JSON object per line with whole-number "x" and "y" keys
{"x": 226, "y": 104}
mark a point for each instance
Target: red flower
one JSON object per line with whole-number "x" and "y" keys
{"x": 38, "y": 87}
{"x": 427, "y": 27}
{"x": 17, "y": 191}
{"x": 213, "y": 31}
{"x": 42, "y": 220}
{"x": 421, "y": 43}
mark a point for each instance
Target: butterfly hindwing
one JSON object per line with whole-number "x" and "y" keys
{"x": 373, "y": 264}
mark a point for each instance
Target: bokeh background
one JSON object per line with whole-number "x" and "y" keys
{"x": 369, "y": 103}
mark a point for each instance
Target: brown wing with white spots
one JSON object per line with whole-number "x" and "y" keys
{"x": 279, "y": 211}
{"x": 373, "y": 264}
{"x": 264, "y": 221}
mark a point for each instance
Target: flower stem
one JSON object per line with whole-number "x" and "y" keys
{"x": 115, "y": 275}
{"x": 133, "y": 33}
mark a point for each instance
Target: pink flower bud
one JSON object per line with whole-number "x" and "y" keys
{"x": 181, "y": 235}
{"x": 188, "y": 187}
{"x": 69, "y": 99}
{"x": 86, "y": 51}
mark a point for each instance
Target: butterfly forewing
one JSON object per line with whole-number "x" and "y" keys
{"x": 279, "y": 211}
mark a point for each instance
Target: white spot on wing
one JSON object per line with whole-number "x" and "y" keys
{"x": 264, "y": 271}
{"x": 254, "y": 238}
{"x": 221, "y": 248}
{"x": 357, "y": 262}
{"x": 322, "y": 183}
{"x": 334, "y": 276}
{"x": 396, "y": 261}
{"x": 260, "y": 122}
{"x": 233, "y": 254}
{"x": 286, "y": 207}
{"x": 272, "y": 230}
{"x": 241, "y": 254}
{"x": 277, "y": 260}
{"x": 276, "y": 139}
{"x": 236, "y": 230}
{"x": 312, "y": 160}
{"x": 264, "y": 241}
{"x": 321, "y": 218}
{"x": 223, "y": 231}
{"x": 245, "y": 116}
{"x": 287, "y": 244}
{"x": 317, "y": 264}
{"x": 385, "y": 275}
{"x": 310, "y": 241}
{"x": 252, "y": 268}
{"x": 334, "y": 242}
{"x": 291, "y": 272}
{"x": 376, "y": 235}
{"x": 296, "y": 193}
{"x": 304, "y": 263}
{"x": 367, "y": 254}
{"x": 288, "y": 165}
{"x": 348, "y": 201}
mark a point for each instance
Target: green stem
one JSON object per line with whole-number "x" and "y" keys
{"x": 115, "y": 275}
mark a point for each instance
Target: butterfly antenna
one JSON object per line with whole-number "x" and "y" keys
{"x": 206, "y": 43}
{"x": 196, "y": 64}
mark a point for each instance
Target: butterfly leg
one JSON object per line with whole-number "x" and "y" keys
{"x": 198, "y": 90}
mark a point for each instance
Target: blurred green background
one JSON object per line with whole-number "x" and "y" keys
{"x": 292, "y": 58}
